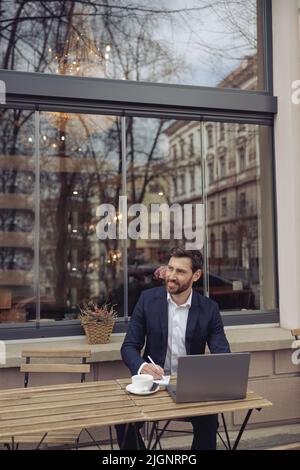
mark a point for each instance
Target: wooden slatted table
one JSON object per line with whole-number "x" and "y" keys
{"x": 25, "y": 411}
{"x": 161, "y": 407}
{"x": 61, "y": 407}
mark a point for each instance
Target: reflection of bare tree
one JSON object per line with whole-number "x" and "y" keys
{"x": 103, "y": 184}
{"x": 86, "y": 173}
{"x": 51, "y": 36}
{"x": 130, "y": 39}
{"x": 62, "y": 216}
{"x": 16, "y": 128}
{"x": 130, "y": 60}
{"x": 86, "y": 37}
{"x": 144, "y": 163}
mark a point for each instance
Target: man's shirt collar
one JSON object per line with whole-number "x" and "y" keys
{"x": 187, "y": 304}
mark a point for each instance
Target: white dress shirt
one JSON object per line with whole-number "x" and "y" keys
{"x": 177, "y": 321}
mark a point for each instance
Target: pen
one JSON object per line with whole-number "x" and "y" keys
{"x": 151, "y": 360}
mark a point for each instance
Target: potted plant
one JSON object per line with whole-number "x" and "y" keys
{"x": 97, "y": 322}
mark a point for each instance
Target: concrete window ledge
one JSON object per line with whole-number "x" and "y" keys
{"x": 100, "y": 352}
{"x": 259, "y": 339}
{"x": 240, "y": 339}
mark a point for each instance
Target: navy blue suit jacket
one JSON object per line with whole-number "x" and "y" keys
{"x": 149, "y": 322}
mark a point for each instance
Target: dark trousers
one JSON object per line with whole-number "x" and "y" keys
{"x": 204, "y": 428}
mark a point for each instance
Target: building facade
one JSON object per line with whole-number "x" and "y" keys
{"x": 214, "y": 153}
{"x": 136, "y": 109}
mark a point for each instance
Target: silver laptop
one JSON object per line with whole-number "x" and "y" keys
{"x": 211, "y": 377}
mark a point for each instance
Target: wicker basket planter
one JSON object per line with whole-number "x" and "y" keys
{"x": 98, "y": 332}
{"x": 97, "y": 322}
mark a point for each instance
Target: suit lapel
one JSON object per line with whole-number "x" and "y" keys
{"x": 191, "y": 323}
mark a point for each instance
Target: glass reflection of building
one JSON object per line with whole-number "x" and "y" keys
{"x": 232, "y": 188}
{"x": 77, "y": 174}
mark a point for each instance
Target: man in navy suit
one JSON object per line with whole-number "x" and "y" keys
{"x": 174, "y": 320}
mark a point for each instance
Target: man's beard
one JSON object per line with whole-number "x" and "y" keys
{"x": 176, "y": 288}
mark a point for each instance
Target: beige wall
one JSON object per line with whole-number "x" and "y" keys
{"x": 286, "y": 53}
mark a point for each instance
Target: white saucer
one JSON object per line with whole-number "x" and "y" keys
{"x": 130, "y": 388}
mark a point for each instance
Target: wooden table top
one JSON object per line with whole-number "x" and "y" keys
{"x": 61, "y": 407}
{"x": 160, "y": 406}
{"x": 75, "y": 406}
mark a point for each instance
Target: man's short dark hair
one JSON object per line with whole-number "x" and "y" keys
{"x": 194, "y": 255}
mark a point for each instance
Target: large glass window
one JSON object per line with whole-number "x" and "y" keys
{"x": 240, "y": 259}
{"x": 241, "y": 263}
{"x": 80, "y": 170}
{"x": 62, "y": 174}
{"x": 152, "y": 181}
{"x": 17, "y": 183}
{"x": 81, "y": 175}
{"x": 196, "y": 42}
{"x": 148, "y": 160}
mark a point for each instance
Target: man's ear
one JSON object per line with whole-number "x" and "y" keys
{"x": 197, "y": 274}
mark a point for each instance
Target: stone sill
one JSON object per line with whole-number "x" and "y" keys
{"x": 240, "y": 339}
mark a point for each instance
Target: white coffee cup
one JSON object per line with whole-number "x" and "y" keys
{"x": 142, "y": 382}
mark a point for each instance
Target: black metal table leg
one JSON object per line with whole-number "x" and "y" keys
{"x": 151, "y": 435}
{"x": 124, "y": 437}
{"x": 41, "y": 441}
{"x": 159, "y": 436}
{"x": 236, "y": 443}
{"x": 111, "y": 438}
{"x": 136, "y": 432}
{"x": 228, "y": 447}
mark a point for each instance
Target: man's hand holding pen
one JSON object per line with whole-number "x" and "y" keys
{"x": 153, "y": 369}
